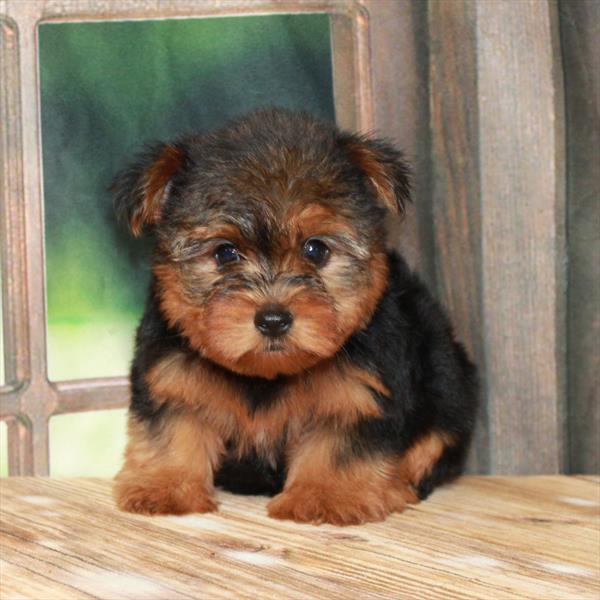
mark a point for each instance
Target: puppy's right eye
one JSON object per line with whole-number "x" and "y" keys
{"x": 316, "y": 251}
{"x": 226, "y": 253}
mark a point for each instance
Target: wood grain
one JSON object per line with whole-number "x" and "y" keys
{"x": 521, "y": 154}
{"x": 12, "y": 228}
{"x": 456, "y": 213}
{"x": 580, "y": 33}
{"x": 535, "y": 537}
{"x": 398, "y": 34}
{"x": 498, "y": 210}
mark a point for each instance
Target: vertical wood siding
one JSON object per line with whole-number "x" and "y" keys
{"x": 498, "y": 218}
{"x": 515, "y": 132}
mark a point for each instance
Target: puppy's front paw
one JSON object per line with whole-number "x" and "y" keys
{"x": 323, "y": 504}
{"x": 159, "y": 497}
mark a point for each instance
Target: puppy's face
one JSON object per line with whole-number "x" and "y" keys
{"x": 270, "y": 237}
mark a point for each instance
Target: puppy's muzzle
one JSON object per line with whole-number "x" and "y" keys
{"x": 273, "y": 320}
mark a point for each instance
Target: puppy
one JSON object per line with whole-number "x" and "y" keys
{"x": 283, "y": 350}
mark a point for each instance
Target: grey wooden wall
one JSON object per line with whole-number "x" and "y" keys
{"x": 500, "y": 113}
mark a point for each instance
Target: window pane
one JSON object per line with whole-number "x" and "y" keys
{"x": 87, "y": 444}
{"x": 108, "y": 87}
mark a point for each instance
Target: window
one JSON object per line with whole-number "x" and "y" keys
{"x": 73, "y": 282}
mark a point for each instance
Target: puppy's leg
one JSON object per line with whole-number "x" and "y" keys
{"x": 169, "y": 468}
{"x": 328, "y": 484}
{"x": 325, "y": 484}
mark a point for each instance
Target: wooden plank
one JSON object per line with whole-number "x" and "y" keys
{"x": 398, "y": 34}
{"x": 12, "y": 227}
{"x": 74, "y": 10}
{"x": 482, "y": 537}
{"x": 497, "y": 149}
{"x": 456, "y": 186}
{"x": 521, "y": 157}
{"x": 91, "y": 394}
{"x": 29, "y": 450}
{"x": 580, "y": 33}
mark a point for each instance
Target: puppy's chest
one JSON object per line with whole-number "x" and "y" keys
{"x": 273, "y": 414}
{"x": 260, "y": 414}
{"x": 268, "y": 414}
{"x": 261, "y": 395}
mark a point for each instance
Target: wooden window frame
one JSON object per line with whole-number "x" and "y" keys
{"x": 29, "y": 399}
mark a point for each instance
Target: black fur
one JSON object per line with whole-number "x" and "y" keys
{"x": 252, "y": 475}
{"x": 155, "y": 339}
{"x": 408, "y": 344}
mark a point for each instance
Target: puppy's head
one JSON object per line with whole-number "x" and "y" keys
{"x": 269, "y": 236}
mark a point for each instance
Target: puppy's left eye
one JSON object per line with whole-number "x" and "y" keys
{"x": 316, "y": 251}
{"x": 226, "y": 253}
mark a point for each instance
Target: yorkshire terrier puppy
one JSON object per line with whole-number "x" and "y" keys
{"x": 283, "y": 350}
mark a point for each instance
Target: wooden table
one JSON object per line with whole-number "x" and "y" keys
{"x": 484, "y": 537}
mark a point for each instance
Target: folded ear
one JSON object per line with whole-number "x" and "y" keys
{"x": 385, "y": 167}
{"x": 141, "y": 189}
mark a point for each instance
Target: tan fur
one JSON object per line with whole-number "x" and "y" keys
{"x": 420, "y": 458}
{"x": 326, "y": 392}
{"x": 222, "y": 327}
{"x": 169, "y": 471}
{"x": 288, "y": 194}
{"x": 178, "y": 310}
{"x": 224, "y": 330}
{"x": 156, "y": 181}
{"x": 305, "y": 220}
{"x": 369, "y": 380}
{"x": 320, "y": 490}
{"x": 367, "y": 160}
{"x": 357, "y": 305}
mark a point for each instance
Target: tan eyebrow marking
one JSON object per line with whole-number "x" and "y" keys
{"x": 316, "y": 219}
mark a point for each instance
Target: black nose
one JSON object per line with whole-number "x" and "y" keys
{"x": 273, "y": 320}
